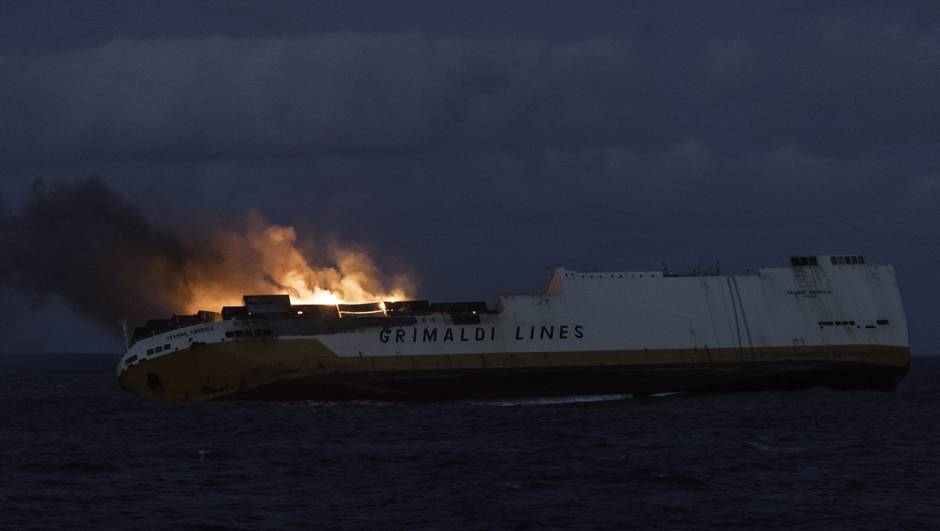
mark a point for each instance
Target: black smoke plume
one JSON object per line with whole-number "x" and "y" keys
{"x": 83, "y": 242}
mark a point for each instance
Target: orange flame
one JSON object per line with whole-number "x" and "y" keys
{"x": 267, "y": 259}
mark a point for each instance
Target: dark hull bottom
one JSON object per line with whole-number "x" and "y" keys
{"x": 515, "y": 383}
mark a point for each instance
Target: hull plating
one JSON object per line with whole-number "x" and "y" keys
{"x": 306, "y": 370}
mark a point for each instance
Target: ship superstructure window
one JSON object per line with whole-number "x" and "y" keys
{"x": 836, "y": 323}
{"x": 798, "y": 261}
{"x": 847, "y": 260}
{"x": 260, "y": 332}
{"x": 883, "y": 322}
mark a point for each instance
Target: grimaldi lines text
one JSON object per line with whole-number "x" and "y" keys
{"x": 433, "y": 335}
{"x": 836, "y": 321}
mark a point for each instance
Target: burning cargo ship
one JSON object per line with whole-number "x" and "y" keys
{"x": 833, "y": 321}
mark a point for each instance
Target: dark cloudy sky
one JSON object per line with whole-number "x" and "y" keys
{"x": 482, "y": 143}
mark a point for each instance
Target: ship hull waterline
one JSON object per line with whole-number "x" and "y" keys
{"x": 307, "y": 370}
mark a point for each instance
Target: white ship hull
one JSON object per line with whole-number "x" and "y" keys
{"x": 831, "y": 323}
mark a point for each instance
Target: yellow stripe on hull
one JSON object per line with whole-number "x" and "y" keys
{"x": 219, "y": 370}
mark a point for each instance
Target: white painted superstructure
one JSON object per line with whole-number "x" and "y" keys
{"x": 827, "y": 304}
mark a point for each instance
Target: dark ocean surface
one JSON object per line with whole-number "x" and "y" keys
{"x": 78, "y": 453}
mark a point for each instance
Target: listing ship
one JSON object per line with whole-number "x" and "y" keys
{"x": 833, "y": 321}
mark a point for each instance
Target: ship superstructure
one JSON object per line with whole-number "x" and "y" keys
{"x": 823, "y": 320}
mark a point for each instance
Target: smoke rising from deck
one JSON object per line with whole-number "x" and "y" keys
{"x": 87, "y": 244}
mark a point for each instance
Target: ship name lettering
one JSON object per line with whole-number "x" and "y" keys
{"x": 480, "y": 333}
{"x": 564, "y": 332}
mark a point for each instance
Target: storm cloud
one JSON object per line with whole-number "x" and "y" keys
{"x": 835, "y": 87}
{"x": 624, "y": 137}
